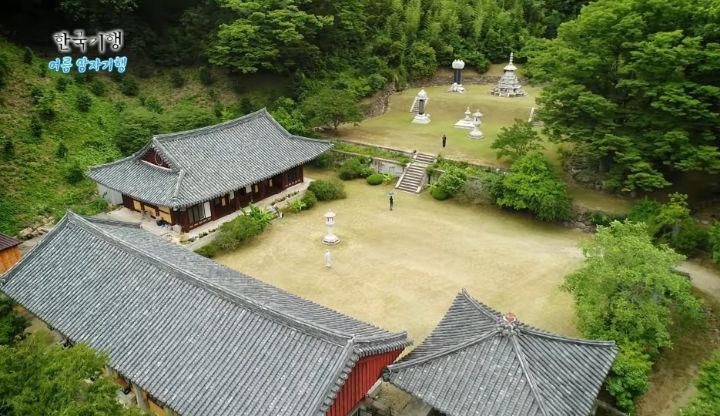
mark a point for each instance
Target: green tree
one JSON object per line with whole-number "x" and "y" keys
{"x": 627, "y": 291}
{"x": 532, "y": 185}
{"x": 38, "y": 377}
{"x": 452, "y": 181}
{"x": 12, "y": 324}
{"x": 706, "y": 401}
{"x": 714, "y": 241}
{"x": 330, "y": 107}
{"x": 633, "y": 84}
{"x": 138, "y": 127}
{"x": 272, "y": 35}
{"x": 516, "y": 141}
{"x": 83, "y": 101}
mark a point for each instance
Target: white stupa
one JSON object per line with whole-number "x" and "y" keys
{"x": 465, "y": 123}
{"x": 509, "y": 85}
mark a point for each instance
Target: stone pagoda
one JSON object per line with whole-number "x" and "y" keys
{"x": 509, "y": 85}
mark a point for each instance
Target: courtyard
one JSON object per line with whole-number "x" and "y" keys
{"x": 401, "y": 269}
{"x": 393, "y": 129}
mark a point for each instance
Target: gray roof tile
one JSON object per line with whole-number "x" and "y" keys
{"x": 209, "y": 161}
{"x": 476, "y": 363}
{"x": 203, "y": 339}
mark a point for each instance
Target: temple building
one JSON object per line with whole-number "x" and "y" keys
{"x": 197, "y": 176}
{"x": 480, "y": 362}
{"x": 509, "y": 85}
{"x": 9, "y": 252}
{"x": 188, "y": 336}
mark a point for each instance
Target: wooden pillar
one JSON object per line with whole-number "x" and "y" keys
{"x": 284, "y": 180}
{"x": 140, "y": 397}
{"x": 302, "y": 176}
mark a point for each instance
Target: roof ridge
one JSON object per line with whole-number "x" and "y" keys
{"x": 213, "y": 127}
{"x": 485, "y": 309}
{"x": 309, "y": 139}
{"x": 415, "y": 361}
{"x": 526, "y": 371}
{"x": 108, "y": 221}
{"x": 165, "y": 153}
{"x": 350, "y": 358}
{"x": 530, "y": 330}
{"x": 231, "y": 296}
{"x": 133, "y": 156}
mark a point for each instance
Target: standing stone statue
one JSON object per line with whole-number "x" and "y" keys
{"x": 328, "y": 259}
{"x": 420, "y": 102}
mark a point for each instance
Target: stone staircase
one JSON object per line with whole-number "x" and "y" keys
{"x": 414, "y": 176}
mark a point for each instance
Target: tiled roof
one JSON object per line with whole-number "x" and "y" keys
{"x": 7, "y": 242}
{"x": 201, "y": 338}
{"x": 209, "y": 161}
{"x": 476, "y": 363}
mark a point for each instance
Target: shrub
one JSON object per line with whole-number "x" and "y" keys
{"x": 98, "y": 88}
{"x": 474, "y": 192}
{"x": 36, "y": 126}
{"x": 74, "y": 173}
{"x": 327, "y": 190}
{"x": 714, "y": 241}
{"x": 187, "y": 117}
{"x": 83, "y": 101}
{"x": 62, "y": 83}
{"x": 601, "y": 218}
{"x": 297, "y": 205}
{"x": 242, "y": 228}
{"x": 42, "y": 70}
{"x": 137, "y": 128}
{"x": 28, "y": 56}
{"x": 8, "y": 149}
{"x": 205, "y": 76}
{"x": 83, "y": 77}
{"x": 533, "y": 185}
{"x": 452, "y": 181}
{"x": 706, "y": 401}
{"x": 354, "y": 167}
{"x": 62, "y": 150}
{"x": 246, "y": 105}
{"x": 176, "y": 79}
{"x": 492, "y": 183}
{"x": 375, "y": 179}
{"x": 120, "y": 106}
{"x": 309, "y": 199}
{"x": 690, "y": 239}
{"x": 438, "y": 193}
{"x": 129, "y": 86}
{"x": 209, "y": 250}
{"x": 323, "y": 161}
{"x": 152, "y": 104}
{"x": 645, "y": 211}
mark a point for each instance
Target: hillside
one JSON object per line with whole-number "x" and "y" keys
{"x": 40, "y": 177}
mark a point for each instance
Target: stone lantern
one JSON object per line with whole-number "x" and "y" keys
{"x": 420, "y": 101}
{"x": 476, "y": 133}
{"x": 330, "y": 238}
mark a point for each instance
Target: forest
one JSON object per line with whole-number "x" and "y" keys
{"x": 631, "y": 88}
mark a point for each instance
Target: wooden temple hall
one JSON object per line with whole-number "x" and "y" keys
{"x": 187, "y": 336}
{"x": 197, "y": 176}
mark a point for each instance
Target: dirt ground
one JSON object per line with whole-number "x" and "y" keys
{"x": 401, "y": 269}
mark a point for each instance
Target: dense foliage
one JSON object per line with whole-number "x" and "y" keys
{"x": 237, "y": 231}
{"x": 706, "y": 401}
{"x": 354, "y": 167}
{"x": 671, "y": 223}
{"x": 516, "y": 141}
{"x": 714, "y": 241}
{"x": 375, "y": 179}
{"x": 634, "y": 85}
{"x": 627, "y": 291}
{"x": 327, "y": 190}
{"x": 39, "y": 377}
{"x": 532, "y": 185}
{"x": 12, "y": 324}
{"x": 450, "y": 183}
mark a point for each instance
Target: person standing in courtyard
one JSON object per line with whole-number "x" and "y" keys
{"x": 392, "y": 201}
{"x": 444, "y": 140}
